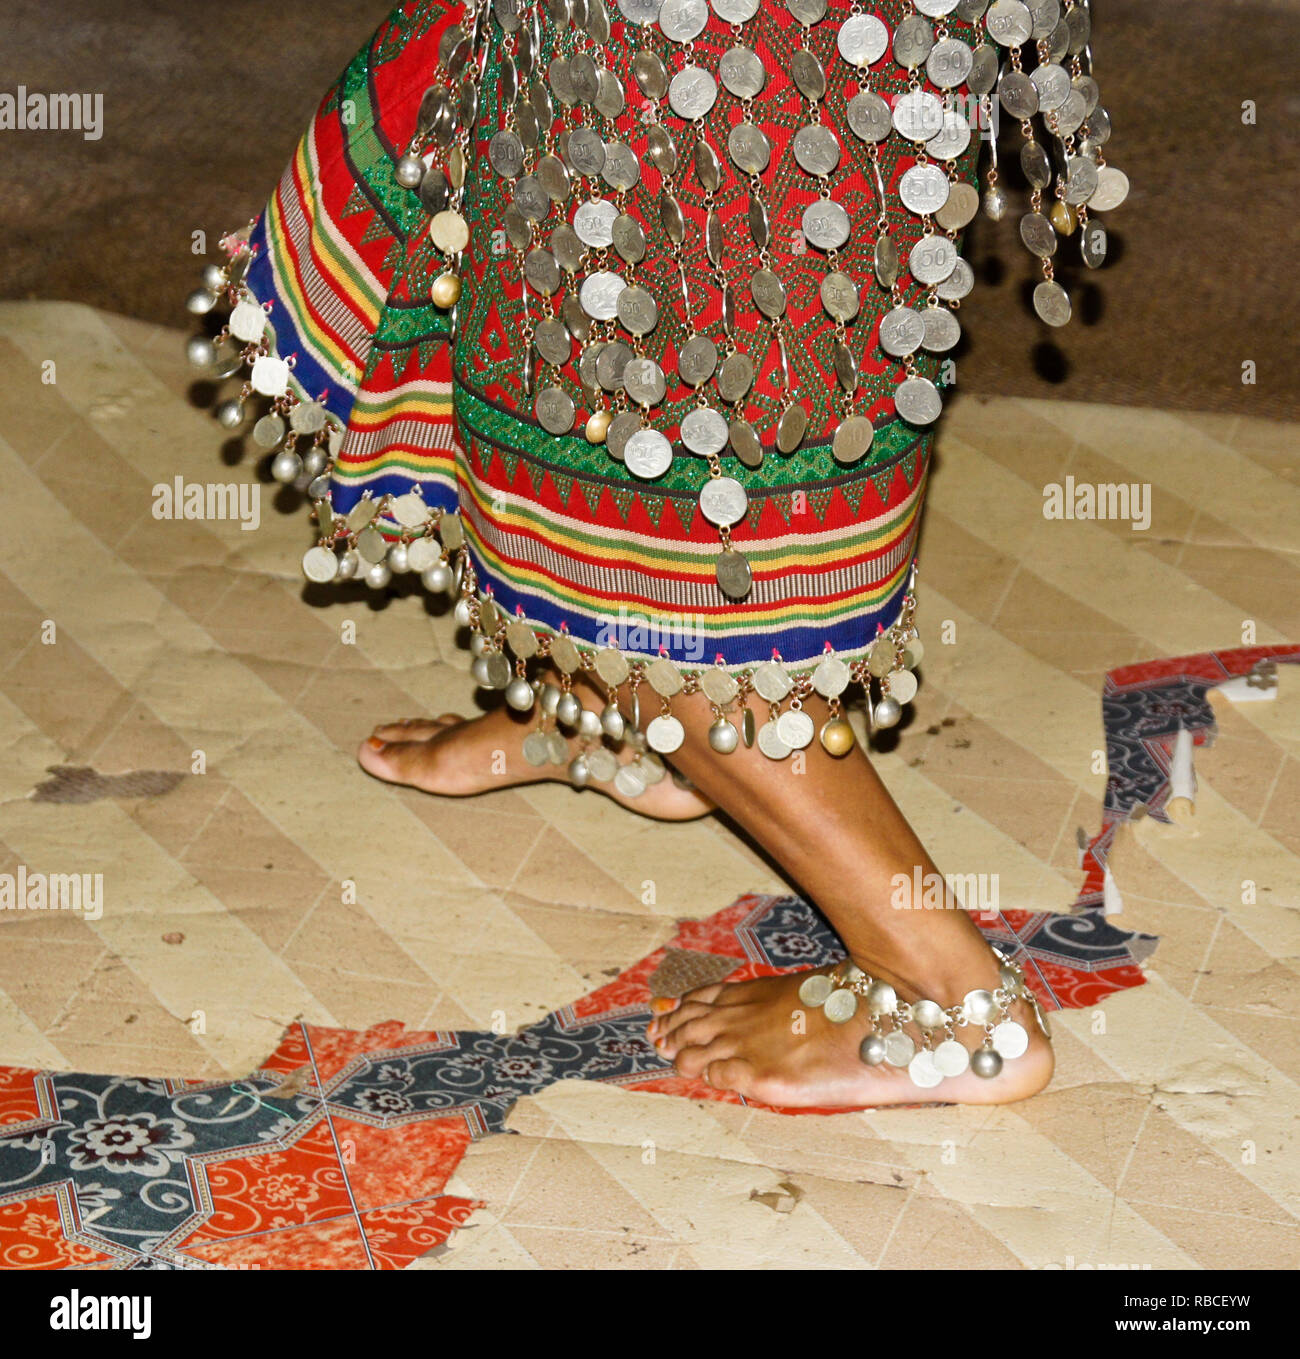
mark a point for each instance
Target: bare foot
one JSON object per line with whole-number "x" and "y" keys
{"x": 455, "y": 756}
{"x": 760, "y": 1040}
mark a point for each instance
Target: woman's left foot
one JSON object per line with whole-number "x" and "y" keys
{"x": 759, "y": 1039}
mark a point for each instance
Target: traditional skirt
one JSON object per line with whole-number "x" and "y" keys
{"x": 561, "y": 550}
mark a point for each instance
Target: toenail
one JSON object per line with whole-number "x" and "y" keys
{"x": 375, "y": 743}
{"x": 662, "y": 1005}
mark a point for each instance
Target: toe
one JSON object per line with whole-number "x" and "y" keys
{"x": 731, "y": 1073}
{"x": 693, "y": 1061}
{"x": 693, "y": 1033}
{"x": 666, "y": 1025}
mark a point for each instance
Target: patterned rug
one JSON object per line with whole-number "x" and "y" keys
{"x": 335, "y": 1152}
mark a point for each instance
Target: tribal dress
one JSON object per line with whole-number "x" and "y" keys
{"x": 628, "y": 321}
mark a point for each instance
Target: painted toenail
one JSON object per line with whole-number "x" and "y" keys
{"x": 662, "y": 1005}
{"x": 376, "y": 744}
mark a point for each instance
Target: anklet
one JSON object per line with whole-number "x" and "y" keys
{"x": 941, "y": 1054}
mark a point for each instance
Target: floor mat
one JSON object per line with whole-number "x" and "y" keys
{"x": 335, "y": 1152}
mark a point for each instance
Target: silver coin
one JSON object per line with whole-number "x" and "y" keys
{"x": 917, "y": 400}
{"x": 932, "y": 259}
{"x": 599, "y": 294}
{"x": 537, "y": 749}
{"x": 815, "y": 989}
{"x": 708, "y": 168}
{"x": 807, "y": 12}
{"x": 269, "y": 430}
{"x": 958, "y": 284}
{"x": 1046, "y": 14}
{"x": 555, "y": 410}
{"x": 1038, "y": 234}
{"x": 1017, "y": 94}
{"x": 839, "y": 295}
{"x": 576, "y": 321}
{"x": 983, "y": 70}
{"x": 1111, "y": 190}
{"x": 566, "y": 247}
{"x": 682, "y": 21}
{"x": 557, "y": 747}
{"x": 621, "y": 429}
{"x": 741, "y": 72}
{"x": 508, "y": 13}
{"x": 1010, "y": 1040}
{"x": 795, "y": 728}
{"x": 610, "y": 101}
{"x": 1052, "y": 303}
{"x": 922, "y": 1071}
{"x": 713, "y": 241}
{"x": 629, "y": 782}
{"x": 749, "y": 148}
{"x": 611, "y": 364}
{"x": 692, "y": 93}
{"x": 923, "y": 189}
{"x": 651, "y": 74}
{"x": 1090, "y": 91}
{"x": 1009, "y": 22}
{"x": 723, "y": 501}
{"x": 1053, "y": 84}
{"x": 640, "y": 12}
{"x": 637, "y": 310}
{"x": 770, "y": 742}
{"x": 621, "y": 170}
{"x": 913, "y": 40}
{"x": 869, "y": 117}
{"x": 1081, "y": 180}
{"x": 729, "y": 310}
{"x": 506, "y": 154}
{"x": 935, "y": 9}
{"x": 960, "y": 209}
{"x": 808, "y": 74}
{"x": 853, "y": 439}
{"x": 952, "y": 139}
{"x": 518, "y": 231}
{"x": 736, "y": 11}
{"x": 629, "y": 238}
{"x": 1067, "y": 119}
{"x": 842, "y": 1004}
{"x": 554, "y": 177}
{"x": 1092, "y": 245}
{"x": 647, "y": 454}
{"x": 602, "y": 765}
{"x": 949, "y": 63}
{"x": 771, "y": 683}
{"x": 671, "y": 218}
{"x": 1036, "y": 165}
{"x": 553, "y": 342}
{"x": 587, "y": 364}
{"x": 531, "y": 199}
{"x": 665, "y": 734}
{"x": 435, "y": 191}
{"x": 942, "y": 330}
{"x": 735, "y": 376}
{"x": 560, "y": 11}
{"x": 899, "y": 1048}
{"x": 704, "y": 431}
{"x": 586, "y": 152}
{"x": 320, "y": 565}
{"x": 661, "y": 149}
{"x": 542, "y": 271}
{"x": 825, "y": 224}
{"x": 594, "y": 222}
{"x": 846, "y": 366}
{"x": 862, "y": 40}
{"x": 643, "y": 380}
{"x": 768, "y": 293}
{"x": 971, "y": 11}
{"x": 759, "y": 228}
{"x": 697, "y": 360}
{"x": 1079, "y": 21}
{"x": 561, "y": 83}
{"x": 816, "y": 150}
{"x": 791, "y": 428}
{"x": 918, "y": 115}
{"x": 745, "y": 443}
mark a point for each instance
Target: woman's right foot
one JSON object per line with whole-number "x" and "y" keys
{"x": 454, "y": 756}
